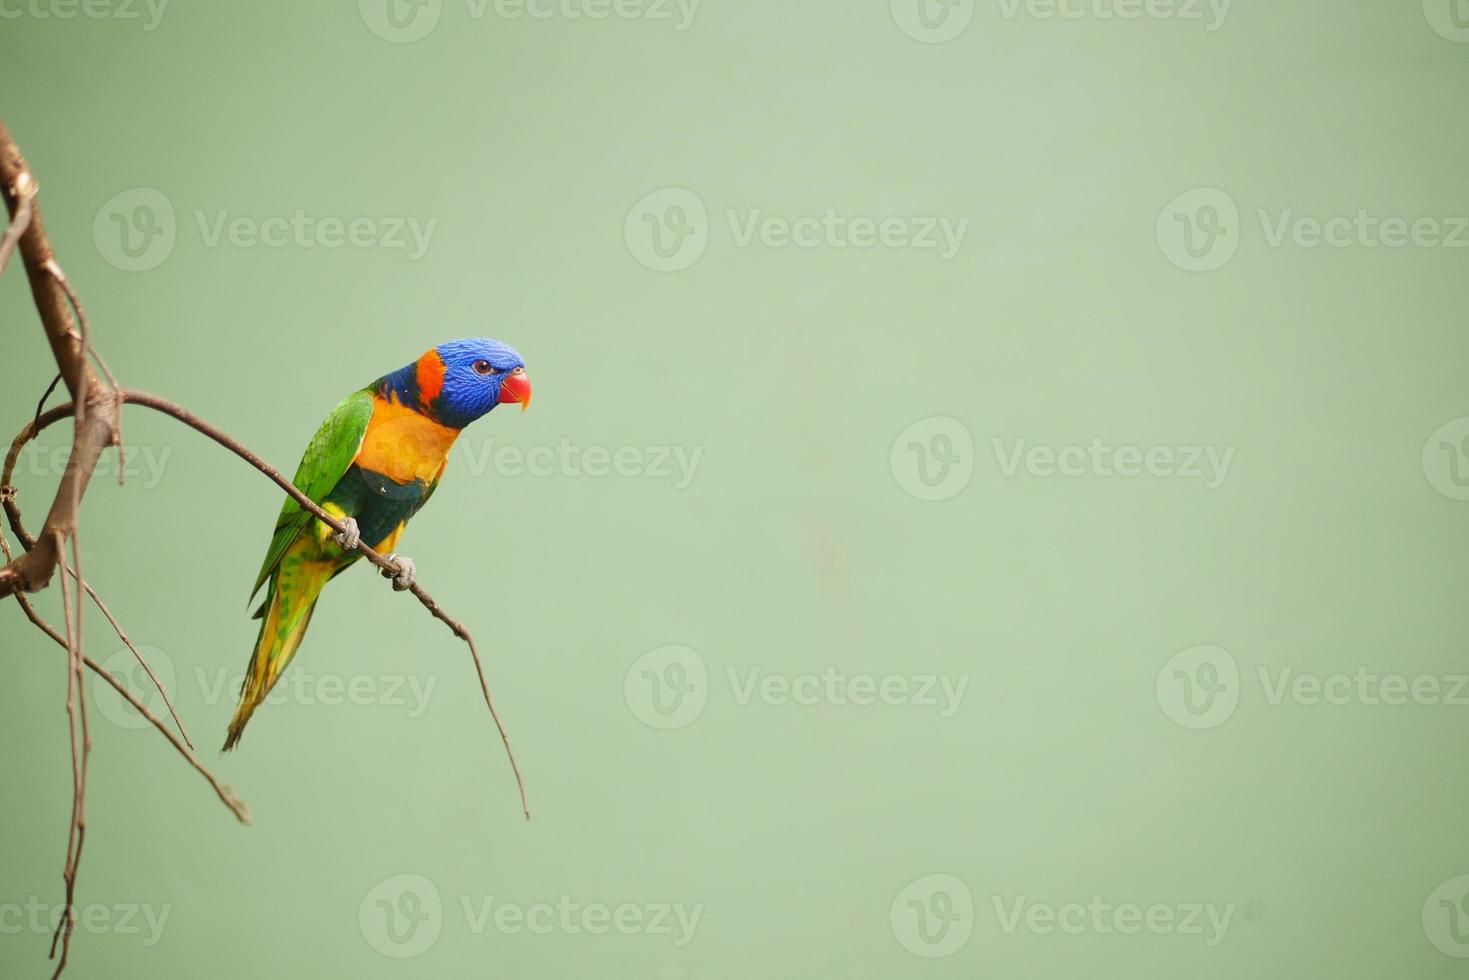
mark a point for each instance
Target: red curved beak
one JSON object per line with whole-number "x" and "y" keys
{"x": 516, "y": 388}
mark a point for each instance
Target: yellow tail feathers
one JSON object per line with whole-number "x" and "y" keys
{"x": 287, "y": 614}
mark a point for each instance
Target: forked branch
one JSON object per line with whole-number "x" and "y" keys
{"x": 95, "y": 409}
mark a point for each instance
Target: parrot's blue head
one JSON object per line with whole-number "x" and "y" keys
{"x": 461, "y": 380}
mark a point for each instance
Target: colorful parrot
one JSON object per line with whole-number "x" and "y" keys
{"x": 373, "y": 463}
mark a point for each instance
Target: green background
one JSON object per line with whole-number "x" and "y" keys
{"x": 798, "y": 544}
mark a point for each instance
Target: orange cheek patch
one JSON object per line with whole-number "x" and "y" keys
{"x": 430, "y": 376}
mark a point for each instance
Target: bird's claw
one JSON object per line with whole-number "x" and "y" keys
{"x": 349, "y": 537}
{"x": 405, "y": 575}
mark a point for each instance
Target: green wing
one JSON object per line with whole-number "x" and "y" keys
{"x": 326, "y": 461}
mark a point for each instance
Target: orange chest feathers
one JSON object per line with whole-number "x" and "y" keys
{"x": 404, "y": 445}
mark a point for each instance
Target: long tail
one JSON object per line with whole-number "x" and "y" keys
{"x": 286, "y": 614}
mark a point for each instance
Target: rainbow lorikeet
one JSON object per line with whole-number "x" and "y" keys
{"x": 373, "y": 463}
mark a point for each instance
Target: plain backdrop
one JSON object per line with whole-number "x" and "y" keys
{"x": 809, "y": 382}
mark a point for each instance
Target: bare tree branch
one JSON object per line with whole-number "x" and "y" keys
{"x": 96, "y": 411}
{"x": 25, "y": 191}
{"x": 27, "y": 542}
{"x": 81, "y": 752}
{"x": 54, "y": 268}
{"x": 97, "y": 418}
{"x": 225, "y": 793}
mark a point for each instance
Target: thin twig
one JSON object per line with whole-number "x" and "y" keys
{"x": 81, "y": 749}
{"x": 27, "y": 542}
{"x": 25, "y": 195}
{"x": 79, "y": 726}
{"x": 84, "y": 325}
{"x": 59, "y": 307}
{"x": 137, "y": 655}
{"x": 96, "y": 416}
{"x": 41, "y": 405}
{"x": 225, "y": 793}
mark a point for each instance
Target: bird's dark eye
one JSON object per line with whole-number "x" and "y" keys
{"x": 485, "y": 367}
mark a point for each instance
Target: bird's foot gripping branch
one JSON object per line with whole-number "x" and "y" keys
{"x": 96, "y": 413}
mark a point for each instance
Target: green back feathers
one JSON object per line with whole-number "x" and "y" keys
{"x": 325, "y": 462}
